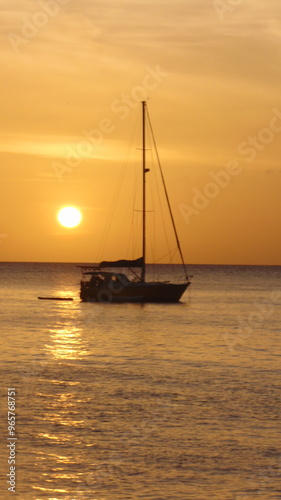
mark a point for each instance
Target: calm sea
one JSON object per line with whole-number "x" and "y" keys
{"x": 153, "y": 402}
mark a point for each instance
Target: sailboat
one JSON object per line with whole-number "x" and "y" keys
{"x": 100, "y": 285}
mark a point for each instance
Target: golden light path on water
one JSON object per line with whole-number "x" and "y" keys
{"x": 66, "y": 344}
{"x": 65, "y": 340}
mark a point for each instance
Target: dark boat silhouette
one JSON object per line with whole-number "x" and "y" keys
{"x": 99, "y": 285}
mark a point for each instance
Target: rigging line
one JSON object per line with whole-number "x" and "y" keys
{"x": 158, "y": 210}
{"x": 164, "y": 225}
{"x": 131, "y": 237}
{"x": 155, "y": 203}
{"x": 111, "y": 212}
{"x": 116, "y": 195}
{"x": 132, "y": 220}
{"x": 167, "y": 198}
{"x": 137, "y": 246}
{"x": 172, "y": 252}
{"x": 151, "y": 221}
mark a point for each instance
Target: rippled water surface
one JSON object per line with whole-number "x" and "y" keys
{"x": 155, "y": 402}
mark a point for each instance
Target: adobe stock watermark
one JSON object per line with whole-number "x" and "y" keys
{"x": 266, "y": 135}
{"x": 31, "y": 25}
{"x": 250, "y": 148}
{"x": 201, "y": 199}
{"x": 223, "y": 7}
{"x": 260, "y": 313}
{"x": 92, "y": 139}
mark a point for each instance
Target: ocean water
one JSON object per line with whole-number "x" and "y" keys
{"x": 153, "y": 402}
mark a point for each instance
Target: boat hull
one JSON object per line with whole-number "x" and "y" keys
{"x": 134, "y": 292}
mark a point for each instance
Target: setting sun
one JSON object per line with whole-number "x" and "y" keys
{"x": 69, "y": 217}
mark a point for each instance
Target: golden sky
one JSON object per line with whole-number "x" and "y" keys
{"x": 72, "y": 75}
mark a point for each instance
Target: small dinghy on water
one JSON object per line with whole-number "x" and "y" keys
{"x": 99, "y": 285}
{"x": 55, "y": 298}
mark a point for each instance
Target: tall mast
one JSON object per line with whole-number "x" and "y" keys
{"x": 144, "y": 171}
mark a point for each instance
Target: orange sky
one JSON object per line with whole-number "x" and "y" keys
{"x": 72, "y": 73}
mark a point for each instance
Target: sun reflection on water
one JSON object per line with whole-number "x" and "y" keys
{"x": 67, "y": 344}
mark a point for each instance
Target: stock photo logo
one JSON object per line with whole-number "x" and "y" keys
{"x": 120, "y": 107}
{"x": 250, "y": 149}
{"x": 34, "y": 23}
